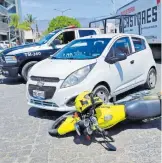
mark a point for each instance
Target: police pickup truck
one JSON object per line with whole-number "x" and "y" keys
{"x": 19, "y": 60}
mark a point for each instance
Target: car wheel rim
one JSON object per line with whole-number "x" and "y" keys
{"x": 103, "y": 94}
{"x": 152, "y": 79}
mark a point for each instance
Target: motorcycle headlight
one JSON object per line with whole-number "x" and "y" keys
{"x": 10, "y": 59}
{"x": 77, "y": 76}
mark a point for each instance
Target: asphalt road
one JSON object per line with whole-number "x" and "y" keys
{"x": 24, "y": 135}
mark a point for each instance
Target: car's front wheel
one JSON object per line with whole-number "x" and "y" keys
{"x": 151, "y": 79}
{"x": 102, "y": 92}
{"x": 26, "y": 69}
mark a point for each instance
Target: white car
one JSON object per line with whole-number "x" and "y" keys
{"x": 1, "y": 49}
{"x": 4, "y": 44}
{"x": 107, "y": 64}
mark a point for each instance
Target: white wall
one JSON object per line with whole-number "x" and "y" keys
{"x": 28, "y": 35}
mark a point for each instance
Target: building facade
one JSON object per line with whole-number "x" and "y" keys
{"x": 8, "y": 7}
{"x": 3, "y": 23}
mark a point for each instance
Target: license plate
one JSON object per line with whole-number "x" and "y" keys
{"x": 38, "y": 94}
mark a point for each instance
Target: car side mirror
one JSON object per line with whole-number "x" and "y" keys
{"x": 118, "y": 57}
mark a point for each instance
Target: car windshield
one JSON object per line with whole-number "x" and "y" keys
{"x": 46, "y": 38}
{"x": 83, "y": 49}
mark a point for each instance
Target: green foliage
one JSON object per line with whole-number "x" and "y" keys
{"x": 30, "y": 19}
{"x": 44, "y": 33}
{"x": 15, "y": 22}
{"x": 24, "y": 26}
{"x": 62, "y": 21}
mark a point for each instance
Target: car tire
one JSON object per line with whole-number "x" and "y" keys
{"x": 151, "y": 79}
{"x": 26, "y": 69}
{"x": 102, "y": 92}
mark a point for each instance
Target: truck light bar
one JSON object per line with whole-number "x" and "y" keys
{"x": 71, "y": 26}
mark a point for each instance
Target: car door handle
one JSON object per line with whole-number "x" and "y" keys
{"x": 132, "y": 62}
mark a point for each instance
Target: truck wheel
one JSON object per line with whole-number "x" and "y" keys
{"x": 26, "y": 69}
{"x": 102, "y": 92}
{"x": 151, "y": 79}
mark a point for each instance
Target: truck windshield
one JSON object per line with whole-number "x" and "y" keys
{"x": 83, "y": 49}
{"x": 46, "y": 38}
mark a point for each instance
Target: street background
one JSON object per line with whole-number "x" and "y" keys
{"x": 24, "y": 134}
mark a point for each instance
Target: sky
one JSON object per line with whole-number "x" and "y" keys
{"x": 44, "y": 9}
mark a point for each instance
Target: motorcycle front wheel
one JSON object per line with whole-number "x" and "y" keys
{"x": 53, "y": 127}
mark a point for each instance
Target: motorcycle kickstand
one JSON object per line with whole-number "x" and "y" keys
{"x": 106, "y": 134}
{"x": 108, "y": 144}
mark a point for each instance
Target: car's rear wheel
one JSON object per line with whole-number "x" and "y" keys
{"x": 25, "y": 70}
{"x": 102, "y": 92}
{"x": 151, "y": 79}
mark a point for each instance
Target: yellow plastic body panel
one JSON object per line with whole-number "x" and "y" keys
{"x": 68, "y": 125}
{"x": 109, "y": 115}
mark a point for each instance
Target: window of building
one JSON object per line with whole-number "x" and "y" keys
{"x": 12, "y": 10}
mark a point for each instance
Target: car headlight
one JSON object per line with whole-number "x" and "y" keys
{"x": 10, "y": 59}
{"x": 77, "y": 76}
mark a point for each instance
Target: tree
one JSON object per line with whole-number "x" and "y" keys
{"x": 15, "y": 22}
{"x": 31, "y": 20}
{"x": 62, "y": 21}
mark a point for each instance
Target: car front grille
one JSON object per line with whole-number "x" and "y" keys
{"x": 48, "y": 91}
{"x": 43, "y": 103}
{"x": 45, "y": 79}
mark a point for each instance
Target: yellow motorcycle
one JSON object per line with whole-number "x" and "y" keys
{"x": 93, "y": 116}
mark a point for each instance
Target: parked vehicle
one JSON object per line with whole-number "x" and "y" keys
{"x": 149, "y": 14}
{"x": 4, "y": 44}
{"x": 19, "y": 60}
{"x": 1, "y": 49}
{"x": 93, "y": 116}
{"x": 105, "y": 64}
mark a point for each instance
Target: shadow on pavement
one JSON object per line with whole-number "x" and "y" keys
{"x": 44, "y": 114}
{"x": 145, "y": 124}
{"x": 126, "y": 125}
{"x": 156, "y": 123}
{"x": 11, "y": 81}
{"x": 158, "y": 61}
{"x": 132, "y": 91}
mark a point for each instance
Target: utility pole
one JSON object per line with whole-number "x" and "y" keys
{"x": 114, "y": 6}
{"x": 62, "y": 11}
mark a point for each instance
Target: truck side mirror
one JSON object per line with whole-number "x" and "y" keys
{"x": 55, "y": 42}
